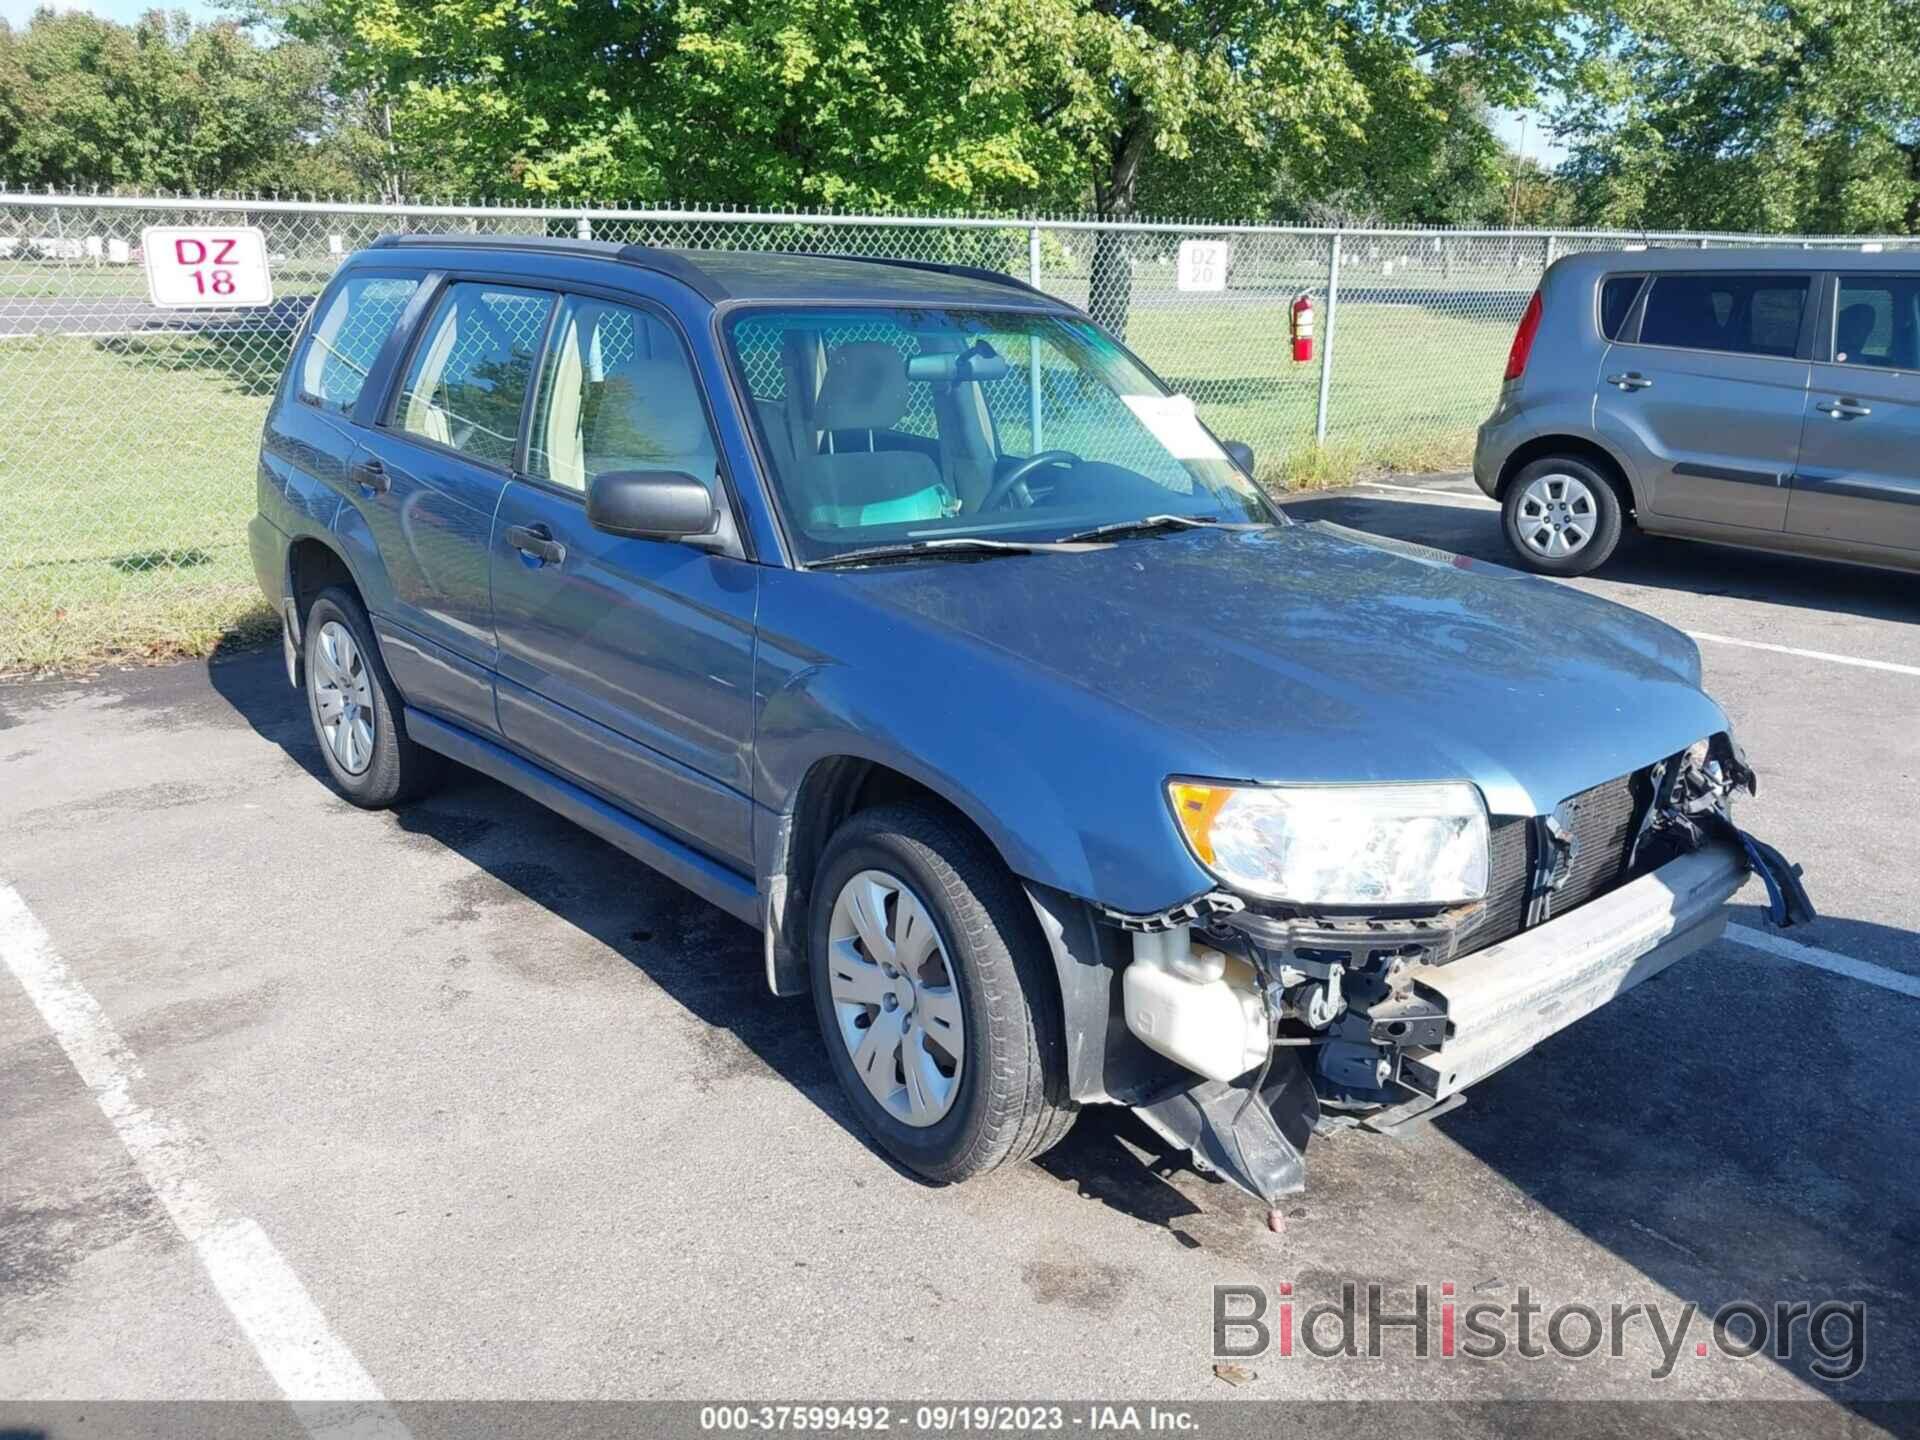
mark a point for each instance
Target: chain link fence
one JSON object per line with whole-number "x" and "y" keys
{"x": 127, "y": 452}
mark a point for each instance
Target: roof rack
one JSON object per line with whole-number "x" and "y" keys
{"x": 685, "y": 266}
{"x": 646, "y": 257}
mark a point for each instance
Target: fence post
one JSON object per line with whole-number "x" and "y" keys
{"x": 1553, "y": 246}
{"x": 583, "y": 227}
{"x": 1033, "y": 344}
{"x": 1326, "y": 345}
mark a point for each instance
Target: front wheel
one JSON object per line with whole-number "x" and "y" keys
{"x": 931, "y": 986}
{"x": 1561, "y": 516}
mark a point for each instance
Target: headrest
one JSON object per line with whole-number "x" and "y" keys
{"x": 1854, "y": 329}
{"x": 865, "y": 388}
{"x": 651, "y": 407}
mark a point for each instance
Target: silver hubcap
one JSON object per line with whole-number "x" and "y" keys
{"x": 894, "y": 995}
{"x": 1557, "y": 515}
{"x": 343, "y": 696}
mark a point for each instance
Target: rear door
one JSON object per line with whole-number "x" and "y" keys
{"x": 429, "y": 478}
{"x": 1859, "y": 473}
{"x": 626, "y": 664}
{"x": 1705, "y": 392}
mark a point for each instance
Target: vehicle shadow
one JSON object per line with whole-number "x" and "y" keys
{"x": 1657, "y": 563}
{"x": 700, "y": 956}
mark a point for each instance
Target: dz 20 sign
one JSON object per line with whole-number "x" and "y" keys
{"x": 195, "y": 266}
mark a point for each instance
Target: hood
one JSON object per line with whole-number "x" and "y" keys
{"x": 1312, "y": 653}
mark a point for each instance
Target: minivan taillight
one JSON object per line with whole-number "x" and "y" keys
{"x": 1523, "y": 339}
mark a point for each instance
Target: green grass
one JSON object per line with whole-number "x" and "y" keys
{"x": 127, "y": 465}
{"x": 126, "y": 480}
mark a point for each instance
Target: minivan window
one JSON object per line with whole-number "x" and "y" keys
{"x": 470, "y": 371}
{"x": 1877, "y": 322}
{"x": 1616, "y": 299}
{"x": 1742, "y": 314}
{"x": 617, "y": 392}
{"x": 343, "y": 342}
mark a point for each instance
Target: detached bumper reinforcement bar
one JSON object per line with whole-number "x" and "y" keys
{"x": 1506, "y": 999}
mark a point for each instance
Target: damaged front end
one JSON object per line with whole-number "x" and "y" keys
{"x": 1301, "y": 1022}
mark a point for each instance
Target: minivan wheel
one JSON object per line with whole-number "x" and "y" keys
{"x": 940, "y": 1019}
{"x": 1561, "y": 516}
{"x": 355, "y": 709}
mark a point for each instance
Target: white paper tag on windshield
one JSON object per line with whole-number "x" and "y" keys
{"x": 1171, "y": 421}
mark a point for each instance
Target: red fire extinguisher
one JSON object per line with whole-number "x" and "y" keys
{"x": 1302, "y": 329}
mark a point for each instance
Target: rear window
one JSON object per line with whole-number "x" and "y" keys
{"x": 1741, "y": 314}
{"x": 1877, "y": 322}
{"x": 1616, "y": 299}
{"x": 346, "y": 338}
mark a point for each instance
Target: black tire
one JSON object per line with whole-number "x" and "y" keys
{"x": 1012, "y": 1101}
{"x": 1599, "y": 525}
{"x": 396, "y": 770}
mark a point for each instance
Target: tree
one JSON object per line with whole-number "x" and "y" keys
{"x": 161, "y": 104}
{"x": 1280, "y": 91}
{"x": 1770, "y": 115}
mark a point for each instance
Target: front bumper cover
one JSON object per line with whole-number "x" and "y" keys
{"x": 1455, "y": 1023}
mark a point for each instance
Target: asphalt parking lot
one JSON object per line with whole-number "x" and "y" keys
{"x": 518, "y": 1120}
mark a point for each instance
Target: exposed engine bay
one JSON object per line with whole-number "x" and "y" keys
{"x": 1303, "y": 1023}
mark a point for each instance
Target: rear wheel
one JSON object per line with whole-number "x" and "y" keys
{"x": 1561, "y": 516}
{"x": 928, "y": 978}
{"x": 355, "y": 709}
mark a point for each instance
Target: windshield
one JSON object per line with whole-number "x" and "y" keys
{"x": 905, "y": 426}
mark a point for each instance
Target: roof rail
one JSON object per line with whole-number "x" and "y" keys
{"x": 646, "y": 257}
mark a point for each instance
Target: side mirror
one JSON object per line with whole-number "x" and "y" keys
{"x": 1240, "y": 453}
{"x": 651, "y": 505}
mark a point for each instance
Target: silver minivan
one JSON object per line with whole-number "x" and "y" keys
{"x": 1763, "y": 398}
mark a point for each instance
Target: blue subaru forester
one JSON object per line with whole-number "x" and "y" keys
{"x": 900, "y": 612}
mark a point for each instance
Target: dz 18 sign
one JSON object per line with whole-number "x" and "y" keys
{"x": 194, "y": 266}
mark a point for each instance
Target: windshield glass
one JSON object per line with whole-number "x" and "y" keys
{"x": 901, "y": 426}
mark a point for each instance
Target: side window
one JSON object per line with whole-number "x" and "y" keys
{"x": 1743, "y": 314}
{"x": 617, "y": 392}
{"x": 1617, "y": 295}
{"x": 343, "y": 343}
{"x": 1877, "y": 322}
{"x": 471, "y": 368}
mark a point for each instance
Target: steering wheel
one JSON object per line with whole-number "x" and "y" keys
{"x": 1003, "y": 487}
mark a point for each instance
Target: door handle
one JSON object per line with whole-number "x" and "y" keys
{"x": 371, "y": 476}
{"x": 536, "y": 542}
{"x": 1843, "y": 409}
{"x": 1632, "y": 380}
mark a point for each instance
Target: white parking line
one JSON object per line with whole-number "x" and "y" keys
{"x": 1828, "y": 656}
{"x": 1894, "y": 980}
{"x": 334, "y": 1397}
{"x": 1479, "y": 502}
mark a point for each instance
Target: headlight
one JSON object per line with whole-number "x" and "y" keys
{"x": 1339, "y": 844}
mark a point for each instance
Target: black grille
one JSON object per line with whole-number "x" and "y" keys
{"x": 1602, "y": 825}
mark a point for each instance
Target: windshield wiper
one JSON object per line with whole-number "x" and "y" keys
{"x": 1147, "y": 525}
{"x": 958, "y": 547}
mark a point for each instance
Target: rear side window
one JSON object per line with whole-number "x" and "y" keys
{"x": 1616, "y": 299}
{"x": 1877, "y": 322}
{"x": 344, "y": 341}
{"x": 1742, "y": 314}
{"x": 472, "y": 368}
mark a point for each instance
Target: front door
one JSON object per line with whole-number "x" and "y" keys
{"x": 1706, "y": 401}
{"x": 428, "y": 480}
{"x": 1859, "y": 474}
{"x": 625, "y": 664}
